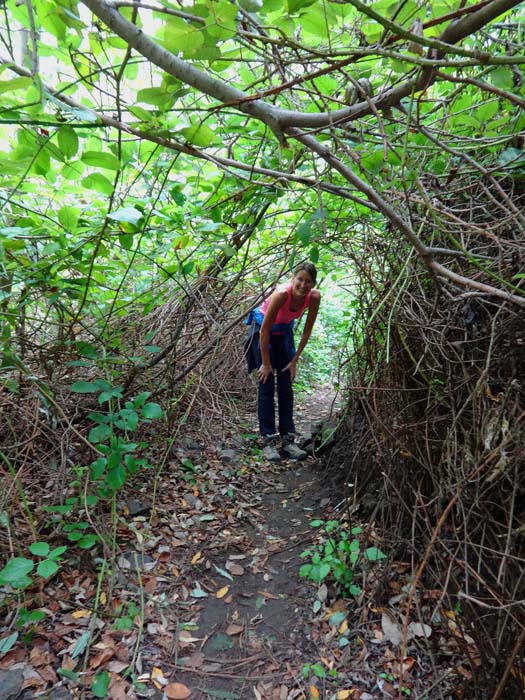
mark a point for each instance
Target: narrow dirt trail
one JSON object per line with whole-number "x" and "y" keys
{"x": 256, "y": 634}
{"x": 240, "y": 613}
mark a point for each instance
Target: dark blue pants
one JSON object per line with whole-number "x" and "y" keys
{"x": 266, "y": 397}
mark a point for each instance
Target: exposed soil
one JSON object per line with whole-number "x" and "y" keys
{"x": 259, "y": 631}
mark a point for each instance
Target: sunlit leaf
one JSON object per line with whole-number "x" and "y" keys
{"x": 68, "y": 140}
{"x": 126, "y": 214}
{"x": 198, "y": 135}
{"x": 98, "y": 182}
{"x": 15, "y": 84}
{"x": 101, "y": 159}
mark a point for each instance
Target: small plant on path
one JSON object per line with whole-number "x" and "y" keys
{"x": 337, "y": 555}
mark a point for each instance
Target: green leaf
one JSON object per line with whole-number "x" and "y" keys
{"x": 101, "y": 159}
{"x": 502, "y": 77}
{"x": 81, "y": 644}
{"x": 113, "y": 393}
{"x": 154, "y": 96}
{"x": 68, "y": 217}
{"x": 143, "y": 114}
{"x": 47, "y": 568}
{"x": 141, "y": 398}
{"x": 318, "y": 670}
{"x": 33, "y": 616}
{"x": 82, "y": 387}
{"x": 198, "y": 135}
{"x": 374, "y": 554}
{"x": 15, "y": 84}
{"x": 152, "y": 411}
{"x": 126, "y": 241}
{"x": 16, "y": 570}
{"x": 86, "y": 349}
{"x": 98, "y": 467}
{"x": 296, "y": 5}
{"x": 66, "y": 673}
{"x": 8, "y": 643}
{"x": 179, "y": 36}
{"x": 315, "y": 22}
{"x": 100, "y": 433}
{"x": 100, "y": 685}
{"x": 87, "y": 541}
{"x": 57, "y": 552}
{"x": 484, "y": 113}
{"x": 39, "y": 549}
{"x": 129, "y": 215}
{"x": 99, "y": 183}
{"x": 67, "y": 140}
{"x": 116, "y": 477}
{"x": 127, "y": 419}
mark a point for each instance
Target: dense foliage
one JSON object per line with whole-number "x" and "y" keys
{"x": 165, "y": 163}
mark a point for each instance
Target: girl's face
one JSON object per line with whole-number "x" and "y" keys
{"x": 302, "y": 283}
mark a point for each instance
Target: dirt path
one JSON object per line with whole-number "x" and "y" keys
{"x": 240, "y": 613}
{"x": 257, "y": 633}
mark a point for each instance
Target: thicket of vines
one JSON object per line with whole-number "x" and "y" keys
{"x": 433, "y": 441}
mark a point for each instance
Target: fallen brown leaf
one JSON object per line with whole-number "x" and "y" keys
{"x": 118, "y": 689}
{"x": 177, "y": 691}
{"x": 233, "y": 629}
{"x": 48, "y": 674}
{"x": 194, "y": 661}
{"x": 116, "y": 666}
{"x": 270, "y": 596}
{"x": 12, "y": 657}
{"x": 102, "y": 657}
{"x": 235, "y": 569}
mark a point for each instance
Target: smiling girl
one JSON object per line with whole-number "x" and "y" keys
{"x": 272, "y": 351}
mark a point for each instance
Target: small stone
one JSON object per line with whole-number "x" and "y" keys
{"x": 304, "y": 440}
{"x": 136, "y": 507}
{"x": 238, "y": 440}
{"x": 10, "y": 684}
{"x": 325, "y": 438}
{"x": 134, "y": 559}
{"x": 190, "y": 443}
{"x": 229, "y": 456}
{"x": 192, "y": 501}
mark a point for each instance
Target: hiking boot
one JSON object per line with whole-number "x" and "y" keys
{"x": 270, "y": 451}
{"x": 291, "y": 449}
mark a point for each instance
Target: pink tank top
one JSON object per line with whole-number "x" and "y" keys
{"x": 285, "y": 313}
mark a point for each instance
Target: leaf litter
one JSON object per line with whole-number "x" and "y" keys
{"x": 216, "y": 608}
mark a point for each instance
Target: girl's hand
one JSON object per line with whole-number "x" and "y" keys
{"x": 292, "y": 367}
{"x": 264, "y": 372}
